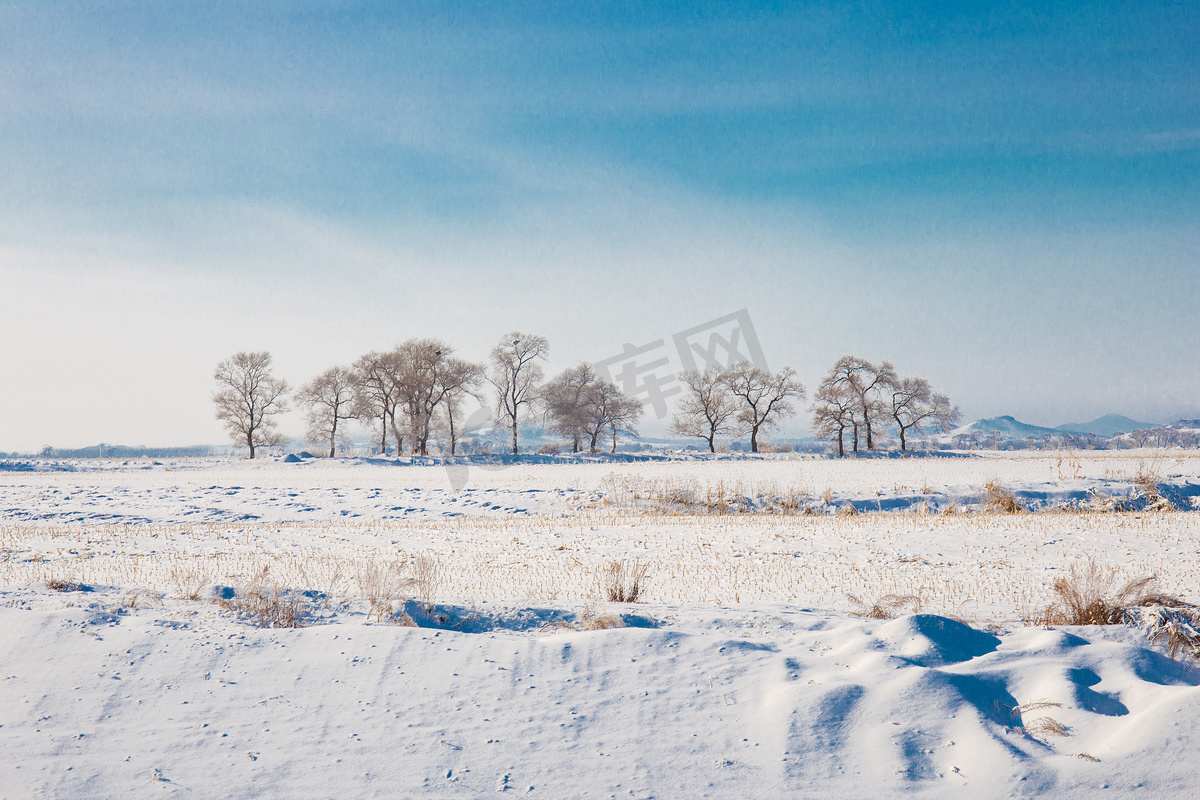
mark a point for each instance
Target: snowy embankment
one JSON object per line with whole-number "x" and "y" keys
{"x": 742, "y": 675}
{"x": 710, "y": 703}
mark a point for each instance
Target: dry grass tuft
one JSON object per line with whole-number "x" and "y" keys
{"x": 1001, "y": 500}
{"x": 1086, "y": 757}
{"x": 190, "y": 581}
{"x": 589, "y": 620}
{"x": 1148, "y": 477}
{"x": 382, "y": 585}
{"x": 1046, "y": 726}
{"x": 1087, "y": 595}
{"x": 1178, "y": 628}
{"x": 555, "y": 627}
{"x": 427, "y": 576}
{"x": 268, "y": 605}
{"x": 1102, "y": 502}
{"x": 63, "y": 585}
{"x": 888, "y": 606}
{"x": 129, "y": 601}
{"x": 1036, "y": 705}
{"x": 623, "y": 583}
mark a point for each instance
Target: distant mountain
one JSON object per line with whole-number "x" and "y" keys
{"x": 1007, "y": 427}
{"x": 1108, "y": 425}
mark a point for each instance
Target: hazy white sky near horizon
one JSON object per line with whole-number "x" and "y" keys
{"x": 1003, "y": 202}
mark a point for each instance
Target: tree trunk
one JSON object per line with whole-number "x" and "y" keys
{"x": 902, "y": 445}
{"x": 423, "y": 443}
{"x": 712, "y": 448}
{"x": 754, "y": 439}
{"x": 450, "y": 417}
{"x": 399, "y": 437}
{"x": 383, "y": 435}
{"x": 614, "y": 433}
{"x": 842, "y": 442}
{"x": 514, "y": 432}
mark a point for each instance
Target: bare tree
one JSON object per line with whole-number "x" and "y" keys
{"x": 915, "y": 404}
{"x": 623, "y": 415}
{"x": 765, "y": 396}
{"x": 516, "y": 373}
{"x": 565, "y": 403}
{"x": 833, "y": 412}
{"x": 709, "y": 408}
{"x": 608, "y": 409}
{"x": 249, "y": 398}
{"x": 580, "y": 405}
{"x": 868, "y": 383}
{"x": 458, "y": 380}
{"x": 329, "y": 400}
{"x": 378, "y": 393}
{"x": 423, "y": 362}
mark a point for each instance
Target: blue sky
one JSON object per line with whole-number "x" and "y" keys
{"x": 1003, "y": 199}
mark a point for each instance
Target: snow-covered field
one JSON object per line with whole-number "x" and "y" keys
{"x": 742, "y": 672}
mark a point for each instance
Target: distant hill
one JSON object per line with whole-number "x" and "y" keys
{"x": 1007, "y": 427}
{"x": 1108, "y": 425}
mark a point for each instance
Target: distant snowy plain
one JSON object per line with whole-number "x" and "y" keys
{"x": 742, "y": 674}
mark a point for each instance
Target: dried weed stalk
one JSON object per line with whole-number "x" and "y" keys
{"x": 381, "y": 585}
{"x": 888, "y": 606}
{"x": 1088, "y": 595}
{"x": 189, "y": 581}
{"x": 268, "y": 605}
{"x": 427, "y": 577}
{"x": 623, "y": 583}
{"x": 1001, "y": 500}
{"x": 1046, "y": 726}
{"x": 63, "y": 585}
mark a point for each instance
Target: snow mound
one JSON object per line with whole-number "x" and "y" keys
{"x": 184, "y": 699}
{"x": 928, "y": 640}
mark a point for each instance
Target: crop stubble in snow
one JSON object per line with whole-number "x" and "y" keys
{"x": 733, "y": 690}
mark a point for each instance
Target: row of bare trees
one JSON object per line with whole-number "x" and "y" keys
{"x": 401, "y": 390}
{"x": 857, "y": 397}
{"x": 420, "y": 386}
{"x": 416, "y": 388}
{"x": 582, "y": 407}
{"x": 863, "y": 398}
{"x": 736, "y": 400}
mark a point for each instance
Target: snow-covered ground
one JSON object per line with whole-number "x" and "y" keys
{"x": 741, "y": 674}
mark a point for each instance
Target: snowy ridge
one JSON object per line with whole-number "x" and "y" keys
{"x": 772, "y": 702}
